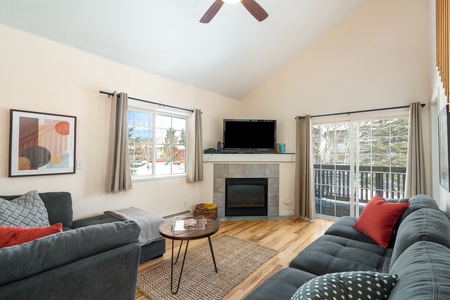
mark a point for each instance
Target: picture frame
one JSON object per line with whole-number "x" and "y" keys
{"x": 41, "y": 143}
{"x": 443, "y": 140}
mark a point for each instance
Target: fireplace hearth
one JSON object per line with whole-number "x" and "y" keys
{"x": 246, "y": 196}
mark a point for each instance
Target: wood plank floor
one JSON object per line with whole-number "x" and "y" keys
{"x": 289, "y": 236}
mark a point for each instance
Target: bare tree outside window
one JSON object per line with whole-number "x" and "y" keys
{"x": 156, "y": 143}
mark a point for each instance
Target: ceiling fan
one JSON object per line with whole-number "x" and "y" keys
{"x": 254, "y": 8}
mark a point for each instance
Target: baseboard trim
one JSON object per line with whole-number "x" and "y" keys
{"x": 177, "y": 214}
{"x": 286, "y": 213}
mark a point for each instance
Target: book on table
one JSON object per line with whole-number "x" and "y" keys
{"x": 189, "y": 223}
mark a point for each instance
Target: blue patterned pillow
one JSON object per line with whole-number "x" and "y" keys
{"x": 357, "y": 285}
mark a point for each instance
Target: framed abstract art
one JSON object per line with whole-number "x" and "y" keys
{"x": 41, "y": 144}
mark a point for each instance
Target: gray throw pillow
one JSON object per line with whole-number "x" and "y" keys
{"x": 348, "y": 285}
{"x": 27, "y": 210}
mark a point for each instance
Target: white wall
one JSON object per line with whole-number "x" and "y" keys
{"x": 378, "y": 57}
{"x": 39, "y": 75}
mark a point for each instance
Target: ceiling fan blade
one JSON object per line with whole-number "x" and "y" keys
{"x": 211, "y": 12}
{"x": 255, "y": 9}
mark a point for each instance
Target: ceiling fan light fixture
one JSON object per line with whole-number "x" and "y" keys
{"x": 251, "y": 5}
{"x": 231, "y": 1}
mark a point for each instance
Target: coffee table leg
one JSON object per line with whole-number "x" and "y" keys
{"x": 179, "y": 250}
{"x": 212, "y": 253}
{"x": 182, "y": 265}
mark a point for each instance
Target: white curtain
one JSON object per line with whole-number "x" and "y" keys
{"x": 415, "y": 174}
{"x": 118, "y": 176}
{"x": 194, "y": 166}
{"x": 304, "y": 197}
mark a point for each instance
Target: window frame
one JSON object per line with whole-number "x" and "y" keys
{"x": 154, "y": 144}
{"x": 351, "y": 119}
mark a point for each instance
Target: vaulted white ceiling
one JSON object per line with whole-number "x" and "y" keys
{"x": 231, "y": 56}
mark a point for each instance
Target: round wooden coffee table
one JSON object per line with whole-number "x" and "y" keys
{"x": 166, "y": 230}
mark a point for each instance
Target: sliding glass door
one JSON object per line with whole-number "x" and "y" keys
{"x": 356, "y": 159}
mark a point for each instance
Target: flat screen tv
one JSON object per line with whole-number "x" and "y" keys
{"x": 249, "y": 136}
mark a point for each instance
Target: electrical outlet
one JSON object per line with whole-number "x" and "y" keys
{"x": 80, "y": 165}
{"x": 185, "y": 203}
{"x": 286, "y": 201}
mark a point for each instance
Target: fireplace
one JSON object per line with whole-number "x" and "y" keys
{"x": 246, "y": 196}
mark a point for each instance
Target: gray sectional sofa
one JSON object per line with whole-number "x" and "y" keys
{"x": 93, "y": 258}
{"x": 59, "y": 208}
{"x": 419, "y": 254}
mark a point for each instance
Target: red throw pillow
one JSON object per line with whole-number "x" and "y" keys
{"x": 16, "y": 235}
{"x": 378, "y": 219}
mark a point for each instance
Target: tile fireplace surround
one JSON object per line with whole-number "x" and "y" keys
{"x": 269, "y": 171}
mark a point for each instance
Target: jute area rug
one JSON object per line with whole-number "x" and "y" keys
{"x": 236, "y": 259}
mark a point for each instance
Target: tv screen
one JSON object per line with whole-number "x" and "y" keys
{"x": 249, "y": 136}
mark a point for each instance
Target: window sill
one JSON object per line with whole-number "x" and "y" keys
{"x": 159, "y": 177}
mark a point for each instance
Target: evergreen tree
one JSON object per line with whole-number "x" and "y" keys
{"x": 182, "y": 139}
{"x": 379, "y": 144}
{"x": 169, "y": 141}
{"x": 133, "y": 146}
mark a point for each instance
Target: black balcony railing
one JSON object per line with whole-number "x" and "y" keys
{"x": 332, "y": 183}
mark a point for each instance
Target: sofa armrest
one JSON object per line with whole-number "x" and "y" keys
{"x": 63, "y": 248}
{"x": 107, "y": 275}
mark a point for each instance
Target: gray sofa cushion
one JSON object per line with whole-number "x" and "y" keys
{"x": 149, "y": 251}
{"x": 343, "y": 227}
{"x": 418, "y": 202}
{"x": 423, "y": 273}
{"x": 94, "y": 220}
{"x": 281, "y": 286}
{"x": 26, "y": 210}
{"x": 63, "y": 248}
{"x": 426, "y": 224}
{"x": 59, "y": 207}
{"x": 330, "y": 254}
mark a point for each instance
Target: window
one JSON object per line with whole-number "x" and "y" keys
{"x": 157, "y": 143}
{"x": 356, "y": 159}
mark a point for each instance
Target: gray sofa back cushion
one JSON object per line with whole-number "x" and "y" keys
{"x": 418, "y": 202}
{"x": 58, "y": 205}
{"x": 426, "y": 224}
{"x": 63, "y": 248}
{"x": 423, "y": 273}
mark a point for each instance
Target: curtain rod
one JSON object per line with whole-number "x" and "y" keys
{"x": 151, "y": 102}
{"x": 361, "y": 111}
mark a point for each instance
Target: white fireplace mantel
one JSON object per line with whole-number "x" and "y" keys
{"x": 225, "y": 157}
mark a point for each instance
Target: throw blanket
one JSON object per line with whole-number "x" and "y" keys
{"x": 148, "y": 222}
